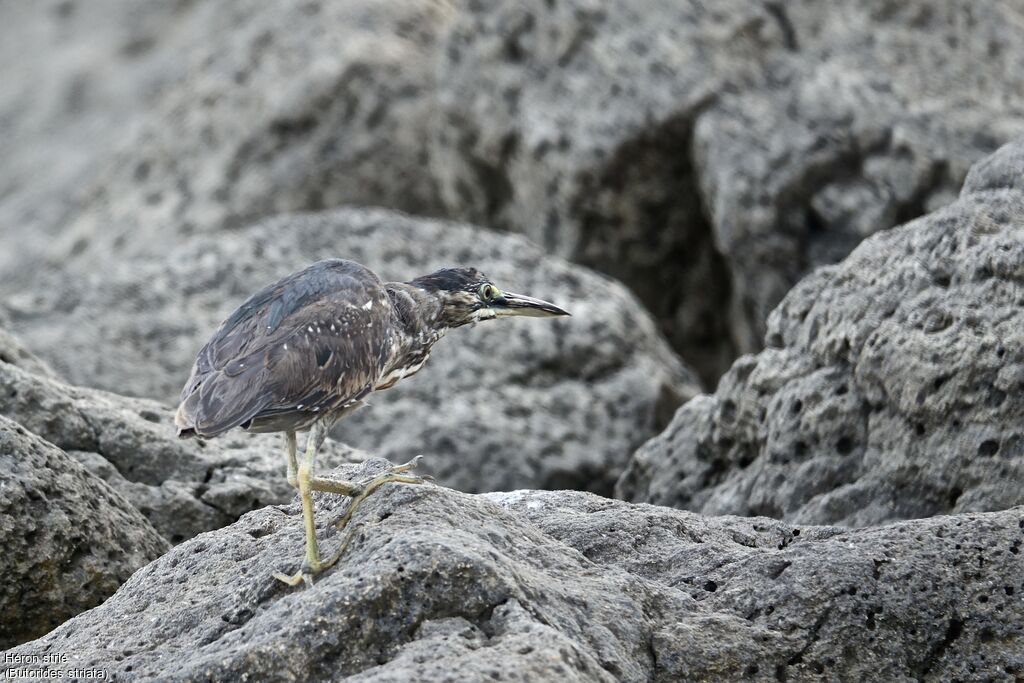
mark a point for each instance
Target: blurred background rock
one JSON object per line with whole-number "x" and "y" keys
{"x": 707, "y": 155}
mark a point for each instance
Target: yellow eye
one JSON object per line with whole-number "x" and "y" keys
{"x": 488, "y": 292}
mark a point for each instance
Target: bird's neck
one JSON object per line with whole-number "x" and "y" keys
{"x": 418, "y": 322}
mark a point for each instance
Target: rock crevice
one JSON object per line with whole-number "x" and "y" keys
{"x": 889, "y": 388}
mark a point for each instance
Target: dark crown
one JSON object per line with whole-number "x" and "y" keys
{"x": 451, "y": 280}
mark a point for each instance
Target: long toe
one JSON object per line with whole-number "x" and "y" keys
{"x": 304, "y": 575}
{"x": 293, "y": 580}
{"x": 368, "y": 486}
{"x": 398, "y": 469}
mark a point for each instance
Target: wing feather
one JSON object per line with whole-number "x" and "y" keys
{"x": 309, "y": 343}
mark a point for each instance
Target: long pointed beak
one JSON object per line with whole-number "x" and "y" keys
{"x": 518, "y": 304}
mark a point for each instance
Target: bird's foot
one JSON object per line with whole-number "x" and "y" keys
{"x": 359, "y": 491}
{"x": 347, "y": 488}
{"x": 295, "y": 579}
{"x": 397, "y": 470}
{"x": 311, "y": 569}
{"x": 306, "y": 574}
{"x": 364, "y": 489}
{"x": 368, "y": 486}
{"x": 411, "y": 465}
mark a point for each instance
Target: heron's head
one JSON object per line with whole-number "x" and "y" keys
{"x": 467, "y": 295}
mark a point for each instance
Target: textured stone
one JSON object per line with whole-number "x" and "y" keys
{"x": 438, "y": 585}
{"x": 182, "y": 487}
{"x": 68, "y": 539}
{"x": 14, "y": 352}
{"x": 710, "y": 156}
{"x": 1001, "y": 170}
{"x": 707, "y": 157}
{"x": 891, "y": 387}
{"x": 77, "y": 76}
{"x": 226, "y": 112}
{"x": 571, "y": 122}
{"x": 507, "y": 404}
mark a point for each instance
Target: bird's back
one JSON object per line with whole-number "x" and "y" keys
{"x": 311, "y": 343}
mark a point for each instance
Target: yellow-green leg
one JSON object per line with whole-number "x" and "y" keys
{"x": 395, "y": 474}
{"x": 315, "y": 483}
{"x": 307, "y": 483}
{"x": 293, "y": 465}
{"x": 304, "y": 475}
{"x": 343, "y": 488}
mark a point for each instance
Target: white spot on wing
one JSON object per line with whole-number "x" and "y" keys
{"x": 368, "y": 305}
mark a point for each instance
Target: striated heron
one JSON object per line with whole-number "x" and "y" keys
{"x": 307, "y": 350}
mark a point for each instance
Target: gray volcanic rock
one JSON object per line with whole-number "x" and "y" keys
{"x": 1001, "y": 170}
{"x": 571, "y": 122}
{"x": 507, "y": 404}
{"x": 234, "y": 110}
{"x": 708, "y": 158}
{"x": 68, "y": 539}
{"x": 873, "y": 118}
{"x": 77, "y": 76}
{"x": 14, "y": 352}
{"x": 182, "y": 487}
{"x": 891, "y": 387}
{"x": 438, "y": 585}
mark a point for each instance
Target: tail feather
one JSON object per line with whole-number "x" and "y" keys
{"x": 184, "y": 419}
{"x": 216, "y": 405}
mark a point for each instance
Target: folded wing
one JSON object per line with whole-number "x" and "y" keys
{"x": 308, "y": 344}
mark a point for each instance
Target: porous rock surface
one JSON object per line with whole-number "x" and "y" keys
{"x": 68, "y": 539}
{"x": 438, "y": 585}
{"x": 77, "y": 75}
{"x": 13, "y": 352}
{"x": 891, "y": 387}
{"x": 133, "y": 126}
{"x": 182, "y": 487}
{"x": 710, "y": 155}
{"x": 505, "y": 404}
